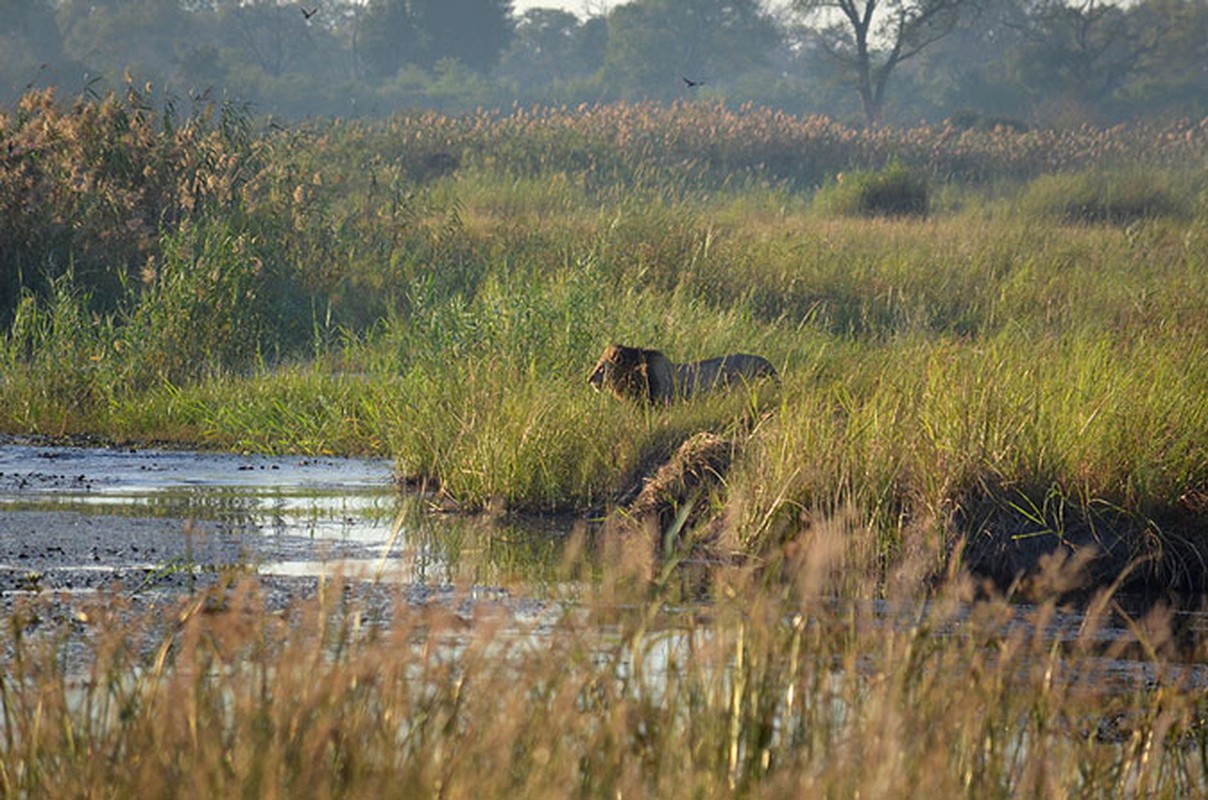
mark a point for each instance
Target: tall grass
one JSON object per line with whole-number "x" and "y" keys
{"x": 321, "y": 290}
{"x": 437, "y": 290}
{"x": 776, "y": 693}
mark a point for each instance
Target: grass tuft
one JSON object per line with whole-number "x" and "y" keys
{"x": 895, "y": 191}
{"x": 1120, "y": 197}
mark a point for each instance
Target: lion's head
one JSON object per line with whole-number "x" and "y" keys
{"x": 631, "y": 373}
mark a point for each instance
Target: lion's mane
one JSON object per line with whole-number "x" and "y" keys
{"x": 647, "y": 376}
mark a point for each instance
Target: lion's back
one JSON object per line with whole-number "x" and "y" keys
{"x": 646, "y": 375}
{"x": 722, "y": 372}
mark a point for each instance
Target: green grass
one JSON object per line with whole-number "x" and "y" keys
{"x": 333, "y": 303}
{"x": 922, "y": 362}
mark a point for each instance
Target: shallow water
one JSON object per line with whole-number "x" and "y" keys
{"x": 75, "y": 517}
{"x": 79, "y": 519}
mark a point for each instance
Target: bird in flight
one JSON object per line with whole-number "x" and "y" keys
{"x": 307, "y": 14}
{"x": 691, "y": 83}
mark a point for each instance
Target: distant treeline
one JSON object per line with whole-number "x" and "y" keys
{"x": 1004, "y": 62}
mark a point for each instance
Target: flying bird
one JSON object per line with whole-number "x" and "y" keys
{"x": 691, "y": 83}
{"x": 308, "y": 14}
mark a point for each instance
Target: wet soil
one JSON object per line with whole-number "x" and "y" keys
{"x": 158, "y": 525}
{"x": 85, "y": 518}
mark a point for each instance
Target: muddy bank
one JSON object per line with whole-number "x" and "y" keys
{"x": 74, "y": 551}
{"x": 1038, "y": 549}
{"x": 1018, "y": 543}
{"x": 84, "y": 518}
{"x": 81, "y": 517}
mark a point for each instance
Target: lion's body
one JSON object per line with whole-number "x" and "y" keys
{"x": 647, "y": 376}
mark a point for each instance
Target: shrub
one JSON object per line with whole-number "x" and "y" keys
{"x": 1112, "y": 197}
{"x": 892, "y": 192}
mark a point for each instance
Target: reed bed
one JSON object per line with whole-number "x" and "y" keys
{"x": 1012, "y": 368}
{"x": 765, "y": 692}
{"x": 436, "y": 289}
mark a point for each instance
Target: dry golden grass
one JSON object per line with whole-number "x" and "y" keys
{"x": 774, "y": 689}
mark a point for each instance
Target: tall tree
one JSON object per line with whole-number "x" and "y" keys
{"x": 140, "y": 36}
{"x": 974, "y": 72}
{"x": 422, "y": 32}
{"x": 1172, "y": 80}
{"x": 871, "y": 38}
{"x": 388, "y": 37}
{"x": 590, "y": 46}
{"x": 553, "y": 48}
{"x": 541, "y": 52}
{"x": 272, "y": 36}
{"x": 474, "y": 32}
{"x": 654, "y": 44}
{"x": 1082, "y": 53}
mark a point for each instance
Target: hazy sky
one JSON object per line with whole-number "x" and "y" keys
{"x": 575, "y": 6}
{"x": 580, "y": 7}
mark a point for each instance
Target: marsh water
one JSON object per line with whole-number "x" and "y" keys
{"x": 84, "y": 518}
{"x": 152, "y": 522}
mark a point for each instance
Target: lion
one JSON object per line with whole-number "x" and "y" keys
{"x": 648, "y": 376}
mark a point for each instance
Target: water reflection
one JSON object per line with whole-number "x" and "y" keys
{"x": 73, "y": 508}
{"x": 81, "y": 511}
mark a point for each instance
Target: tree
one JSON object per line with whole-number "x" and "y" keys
{"x": 654, "y": 44}
{"x": 871, "y": 38}
{"x": 552, "y": 48}
{"x": 273, "y": 36}
{"x": 1068, "y": 63}
{"x": 1082, "y": 54}
{"x": 474, "y": 32}
{"x": 1172, "y": 80}
{"x": 541, "y": 51}
{"x": 590, "y": 46}
{"x": 388, "y": 37}
{"x": 973, "y": 74}
{"x": 394, "y": 33}
{"x": 139, "y": 36}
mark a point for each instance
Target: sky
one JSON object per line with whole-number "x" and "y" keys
{"x": 584, "y": 8}
{"x": 574, "y": 6}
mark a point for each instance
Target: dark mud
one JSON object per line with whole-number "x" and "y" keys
{"x": 83, "y": 518}
{"x": 152, "y": 528}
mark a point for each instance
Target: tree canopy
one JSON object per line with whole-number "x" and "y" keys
{"x": 870, "y": 38}
{"x": 654, "y": 45}
{"x": 1034, "y": 62}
